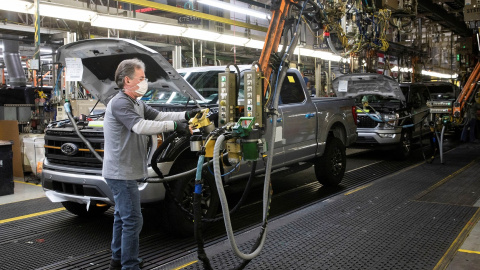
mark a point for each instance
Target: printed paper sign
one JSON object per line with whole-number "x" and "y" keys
{"x": 74, "y": 71}
{"x": 342, "y": 86}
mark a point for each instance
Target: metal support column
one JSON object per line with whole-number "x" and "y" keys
{"x": 177, "y": 57}
{"x": 36, "y": 63}
{"x": 318, "y": 78}
{"x": 329, "y": 78}
{"x": 69, "y": 37}
{"x": 193, "y": 52}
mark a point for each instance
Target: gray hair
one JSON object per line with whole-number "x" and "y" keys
{"x": 127, "y": 68}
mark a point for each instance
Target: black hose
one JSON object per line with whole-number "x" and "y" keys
{"x": 72, "y": 121}
{"x": 197, "y": 225}
{"x": 237, "y": 90}
{"x": 244, "y": 195}
{"x": 157, "y": 153}
{"x": 191, "y": 173}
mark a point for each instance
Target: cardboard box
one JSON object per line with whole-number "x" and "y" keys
{"x": 9, "y": 132}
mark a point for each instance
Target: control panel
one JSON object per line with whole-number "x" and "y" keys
{"x": 253, "y": 94}
{"x": 227, "y": 97}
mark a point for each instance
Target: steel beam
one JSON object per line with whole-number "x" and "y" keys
{"x": 439, "y": 15}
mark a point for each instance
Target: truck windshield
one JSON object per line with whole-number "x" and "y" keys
{"x": 206, "y": 83}
{"x": 375, "y": 99}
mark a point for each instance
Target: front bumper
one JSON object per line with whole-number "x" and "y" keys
{"x": 62, "y": 183}
{"x": 379, "y": 137}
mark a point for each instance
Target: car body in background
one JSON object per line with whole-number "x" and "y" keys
{"x": 442, "y": 90}
{"x": 390, "y": 115}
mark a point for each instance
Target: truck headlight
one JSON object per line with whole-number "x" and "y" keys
{"x": 391, "y": 121}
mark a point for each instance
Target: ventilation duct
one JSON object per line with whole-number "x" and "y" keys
{"x": 11, "y": 57}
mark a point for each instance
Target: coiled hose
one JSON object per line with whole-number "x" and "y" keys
{"x": 225, "y": 209}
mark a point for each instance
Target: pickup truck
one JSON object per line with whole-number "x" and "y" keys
{"x": 390, "y": 115}
{"x": 312, "y": 131}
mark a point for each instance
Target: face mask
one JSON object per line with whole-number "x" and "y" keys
{"x": 142, "y": 88}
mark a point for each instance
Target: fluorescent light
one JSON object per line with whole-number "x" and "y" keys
{"x": 163, "y": 29}
{"x": 200, "y": 34}
{"x": 66, "y": 13}
{"x": 232, "y": 40}
{"x": 49, "y": 10}
{"x": 237, "y": 9}
{"x": 17, "y": 6}
{"x": 256, "y": 44}
{"x": 439, "y": 75}
{"x": 117, "y": 23}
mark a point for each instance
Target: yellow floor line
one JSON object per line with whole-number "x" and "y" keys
{"x": 444, "y": 180}
{"x": 32, "y": 215}
{"x": 357, "y": 189}
{"x": 185, "y": 265}
{"x": 21, "y": 182}
{"x": 469, "y": 251}
{"x": 443, "y": 262}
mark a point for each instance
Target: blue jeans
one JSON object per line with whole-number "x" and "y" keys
{"x": 127, "y": 224}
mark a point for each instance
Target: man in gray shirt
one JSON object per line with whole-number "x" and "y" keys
{"x": 127, "y": 122}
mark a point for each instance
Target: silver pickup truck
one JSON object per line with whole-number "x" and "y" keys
{"x": 390, "y": 115}
{"x": 309, "y": 131}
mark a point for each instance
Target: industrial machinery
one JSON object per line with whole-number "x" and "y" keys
{"x": 448, "y": 114}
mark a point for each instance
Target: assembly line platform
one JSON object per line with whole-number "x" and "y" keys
{"x": 386, "y": 214}
{"x": 417, "y": 218}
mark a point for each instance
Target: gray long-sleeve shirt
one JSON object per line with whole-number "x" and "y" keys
{"x": 125, "y": 151}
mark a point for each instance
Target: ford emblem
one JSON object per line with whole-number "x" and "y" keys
{"x": 69, "y": 149}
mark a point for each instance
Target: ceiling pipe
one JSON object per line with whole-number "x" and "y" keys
{"x": 11, "y": 57}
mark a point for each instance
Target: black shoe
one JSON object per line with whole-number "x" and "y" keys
{"x": 117, "y": 264}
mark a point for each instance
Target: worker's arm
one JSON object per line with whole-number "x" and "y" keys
{"x": 162, "y": 122}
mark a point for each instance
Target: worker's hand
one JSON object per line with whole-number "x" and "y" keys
{"x": 183, "y": 129}
{"x": 190, "y": 114}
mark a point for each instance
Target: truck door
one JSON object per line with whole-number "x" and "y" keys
{"x": 299, "y": 119}
{"x": 419, "y": 96}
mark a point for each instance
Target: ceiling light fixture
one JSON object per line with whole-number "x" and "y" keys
{"x": 200, "y": 34}
{"x": 49, "y": 10}
{"x": 163, "y": 29}
{"x": 117, "y": 23}
{"x": 236, "y": 9}
{"x": 232, "y": 40}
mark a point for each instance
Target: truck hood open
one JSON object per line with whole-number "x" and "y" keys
{"x": 100, "y": 58}
{"x": 353, "y": 85}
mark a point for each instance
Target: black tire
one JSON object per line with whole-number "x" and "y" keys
{"x": 330, "y": 168}
{"x": 81, "y": 209}
{"x": 404, "y": 149}
{"x": 179, "y": 222}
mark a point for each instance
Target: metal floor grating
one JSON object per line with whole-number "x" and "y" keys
{"x": 378, "y": 227}
{"x": 57, "y": 249}
{"x": 11, "y": 210}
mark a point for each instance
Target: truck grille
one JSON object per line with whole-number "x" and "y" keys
{"x": 366, "y": 122}
{"x": 79, "y": 155}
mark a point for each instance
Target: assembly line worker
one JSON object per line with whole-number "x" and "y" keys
{"x": 127, "y": 122}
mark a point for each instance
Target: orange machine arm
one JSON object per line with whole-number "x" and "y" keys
{"x": 272, "y": 39}
{"x": 467, "y": 91}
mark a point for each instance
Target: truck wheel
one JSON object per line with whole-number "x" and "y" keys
{"x": 330, "y": 168}
{"x": 405, "y": 147}
{"x": 81, "y": 209}
{"x": 179, "y": 222}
